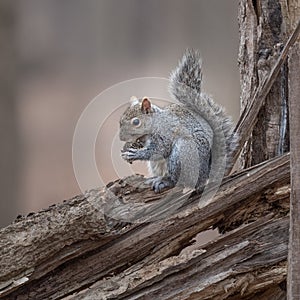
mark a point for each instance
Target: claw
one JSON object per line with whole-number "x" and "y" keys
{"x": 159, "y": 184}
{"x": 129, "y": 154}
{"x": 158, "y": 187}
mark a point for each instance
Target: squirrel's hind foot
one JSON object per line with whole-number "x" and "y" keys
{"x": 158, "y": 184}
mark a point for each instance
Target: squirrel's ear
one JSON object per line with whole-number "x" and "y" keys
{"x": 133, "y": 100}
{"x": 146, "y": 105}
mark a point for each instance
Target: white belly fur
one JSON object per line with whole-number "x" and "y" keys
{"x": 158, "y": 167}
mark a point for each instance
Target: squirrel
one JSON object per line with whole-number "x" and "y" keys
{"x": 182, "y": 142}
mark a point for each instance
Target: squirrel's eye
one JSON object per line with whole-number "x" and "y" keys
{"x": 136, "y": 122}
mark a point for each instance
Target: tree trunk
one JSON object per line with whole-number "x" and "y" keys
{"x": 265, "y": 26}
{"x": 294, "y": 96}
{"x": 294, "y": 244}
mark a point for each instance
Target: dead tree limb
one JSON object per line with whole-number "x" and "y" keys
{"x": 70, "y": 246}
{"x": 236, "y": 263}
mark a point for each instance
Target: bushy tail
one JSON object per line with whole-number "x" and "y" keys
{"x": 185, "y": 86}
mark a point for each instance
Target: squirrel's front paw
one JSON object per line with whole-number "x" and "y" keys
{"x": 130, "y": 154}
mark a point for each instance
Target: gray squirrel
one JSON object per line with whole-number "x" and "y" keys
{"x": 182, "y": 142}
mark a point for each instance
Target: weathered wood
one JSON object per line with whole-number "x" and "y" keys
{"x": 253, "y": 101}
{"x": 247, "y": 21}
{"x": 294, "y": 104}
{"x": 236, "y": 263}
{"x": 275, "y": 292}
{"x": 270, "y": 130}
{"x": 72, "y": 245}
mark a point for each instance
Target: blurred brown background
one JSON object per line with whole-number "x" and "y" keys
{"x": 56, "y": 55}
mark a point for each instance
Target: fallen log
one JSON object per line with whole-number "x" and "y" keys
{"x": 74, "y": 247}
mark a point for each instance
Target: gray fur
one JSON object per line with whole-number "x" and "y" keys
{"x": 181, "y": 140}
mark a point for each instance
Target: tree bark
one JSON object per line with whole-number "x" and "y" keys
{"x": 74, "y": 246}
{"x": 294, "y": 244}
{"x": 265, "y": 26}
{"x": 294, "y": 94}
{"x": 252, "y": 102}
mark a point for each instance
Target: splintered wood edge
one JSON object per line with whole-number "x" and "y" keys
{"x": 76, "y": 234}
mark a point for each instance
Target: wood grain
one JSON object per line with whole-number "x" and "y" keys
{"x": 70, "y": 246}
